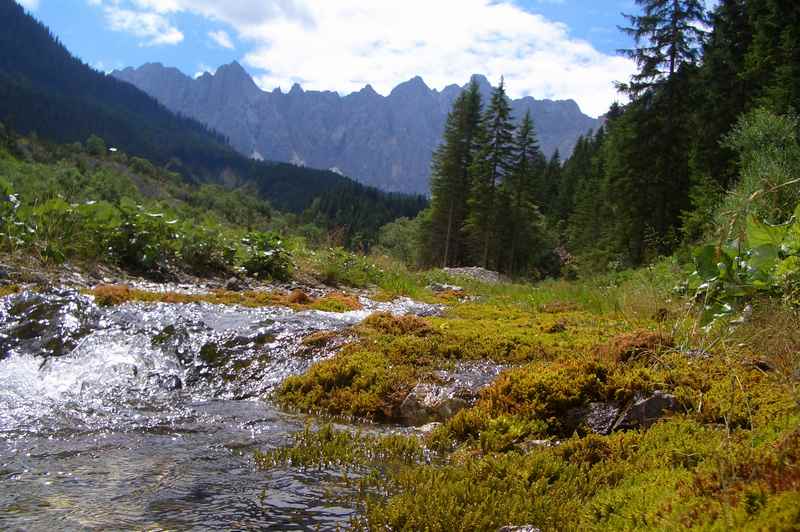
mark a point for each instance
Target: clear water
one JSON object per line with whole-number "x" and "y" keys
{"x": 145, "y": 416}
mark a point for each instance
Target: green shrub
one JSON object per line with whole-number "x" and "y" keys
{"x": 264, "y": 256}
{"x": 96, "y": 146}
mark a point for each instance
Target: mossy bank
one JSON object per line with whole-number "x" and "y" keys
{"x": 714, "y": 444}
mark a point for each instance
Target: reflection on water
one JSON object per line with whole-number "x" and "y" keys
{"x": 146, "y": 415}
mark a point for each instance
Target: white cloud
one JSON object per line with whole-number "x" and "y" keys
{"x": 222, "y": 39}
{"x": 154, "y": 28}
{"x": 30, "y": 5}
{"x": 345, "y": 44}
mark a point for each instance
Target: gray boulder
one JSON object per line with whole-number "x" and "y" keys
{"x": 647, "y": 410}
{"x": 431, "y": 402}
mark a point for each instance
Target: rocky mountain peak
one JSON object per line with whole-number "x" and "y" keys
{"x": 384, "y": 141}
{"x": 415, "y": 87}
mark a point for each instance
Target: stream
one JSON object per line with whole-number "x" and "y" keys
{"x": 146, "y": 415}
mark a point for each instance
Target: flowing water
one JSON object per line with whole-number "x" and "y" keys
{"x": 146, "y": 416}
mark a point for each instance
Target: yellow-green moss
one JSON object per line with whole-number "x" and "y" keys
{"x": 8, "y": 290}
{"x": 108, "y": 295}
{"x": 728, "y": 459}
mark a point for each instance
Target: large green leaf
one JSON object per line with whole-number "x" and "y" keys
{"x": 762, "y": 259}
{"x": 705, "y": 260}
{"x": 763, "y": 234}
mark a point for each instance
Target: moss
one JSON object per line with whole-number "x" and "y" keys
{"x": 110, "y": 295}
{"x": 372, "y": 377}
{"x": 635, "y": 345}
{"x": 386, "y": 323}
{"x": 348, "y": 450}
{"x": 319, "y": 338}
{"x": 728, "y": 459}
{"x": 298, "y": 297}
{"x": 336, "y": 302}
{"x": 9, "y": 289}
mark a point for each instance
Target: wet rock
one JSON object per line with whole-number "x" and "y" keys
{"x": 646, "y": 411}
{"x": 167, "y": 383}
{"x": 596, "y": 417}
{"x": 600, "y": 417}
{"x": 234, "y": 284}
{"x": 46, "y": 323}
{"x": 519, "y": 528}
{"x": 444, "y": 287}
{"x": 430, "y": 402}
{"x": 455, "y": 390}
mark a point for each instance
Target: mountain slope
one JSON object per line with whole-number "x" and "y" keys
{"x": 382, "y": 141}
{"x": 44, "y": 89}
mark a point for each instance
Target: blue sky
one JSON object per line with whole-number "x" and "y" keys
{"x": 545, "y": 48}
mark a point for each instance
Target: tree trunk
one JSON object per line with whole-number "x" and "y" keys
{"x": 449, "y": 234}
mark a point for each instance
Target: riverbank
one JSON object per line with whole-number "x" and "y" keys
{"x": 564, "y": 405}
{"x": 613, "y": 409}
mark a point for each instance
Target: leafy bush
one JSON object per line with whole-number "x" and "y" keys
{"x": 769, "y": 161}
{"x": 757, "y": 248}
{"x": 766, "y": 262}
{"x": 264, "y": 256}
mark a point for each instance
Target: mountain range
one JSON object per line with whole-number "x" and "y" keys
{"x": 47, "y": 92}
{"x": 382, "y": 141}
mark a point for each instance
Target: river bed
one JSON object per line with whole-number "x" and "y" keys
{"x": 146, "y": 416}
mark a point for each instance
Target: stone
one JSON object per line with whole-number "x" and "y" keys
{"x": 479, "y": 274}
{"x": 444, "y": 287}
{"x": 597, "y": 417}
{"x": 234, "y": 284}
{"x": 519, "y": 528}
{"x": 430, "y": 402}
{"x": 384, "y": 141}
{"x": 427, "y": 428}
{"x": 646, "y": 411}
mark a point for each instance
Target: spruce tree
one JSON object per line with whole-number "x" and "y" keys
{"x": 547, "y": 190}
{"x": 493, "y": 162}
{"x": 450, "y": 179}
{"x": 667, "y": 35}
{"x": 521, "y": 220}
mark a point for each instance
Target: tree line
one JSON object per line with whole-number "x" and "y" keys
{"x": 649, "y": 181}
{"x": 485, "y": 189}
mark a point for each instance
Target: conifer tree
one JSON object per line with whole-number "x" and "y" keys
{"x": 521, "y": 220}
{"x": 493, "y": 162}
{"x": 547, "y": 190}
{"x": 450, "y": 179}
{"x": 667, "y": 35}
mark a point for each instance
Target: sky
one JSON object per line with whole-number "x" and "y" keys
{"x": 557, "y": 49}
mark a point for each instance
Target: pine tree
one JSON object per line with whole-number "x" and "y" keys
{"x": 493, "y": 162}
{"x": 450, "y": 179}
{"x": 547, "y": 190}
{"x": 520, "y": 215}
{"x": 667, "y": 36}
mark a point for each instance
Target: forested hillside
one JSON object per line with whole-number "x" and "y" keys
{"x": 47, "y": 91}
{"x": 707, "y": 100}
